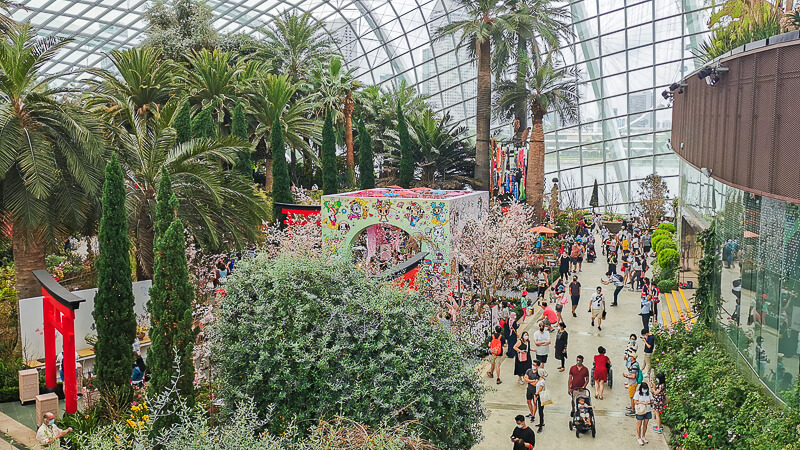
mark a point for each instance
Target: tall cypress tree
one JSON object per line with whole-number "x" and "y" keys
{"x": 183, "y": 123}
{"x": 365, "y": 163}
{"x": 170, "y": 308}
{"x": 330, "y": 172}
{"x": 203, "y": 125}
{"x": 166, "y": 204}
{"x": 593, "y": 202}
{"x": 244, "y": 164}
{"x": 406, "y": 157}
{"x": 281, "y": 186}
{"x": 113, "y": 304}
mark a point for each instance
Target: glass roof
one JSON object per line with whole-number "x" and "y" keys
{"x": 385, "y": 41}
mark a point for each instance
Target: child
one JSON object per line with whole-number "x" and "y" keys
{"x": 524, "y": 302}
{"x": 583, "y": 411}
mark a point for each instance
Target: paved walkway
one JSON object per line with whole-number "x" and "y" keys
{"x": 614, "y": 429}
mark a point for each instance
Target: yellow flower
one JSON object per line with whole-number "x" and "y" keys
{"x": 146, "y": 417}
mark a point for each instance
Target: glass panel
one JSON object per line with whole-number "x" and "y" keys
{"x": 640, "y": 168}
{"x": 641, "y": 145}
{"x": 641, "y": 79}
{"x": 617, "y": 171}
{"x": 613, "y": 43}
{"x": 614, "y": 85}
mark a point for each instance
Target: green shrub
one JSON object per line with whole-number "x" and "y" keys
{"x": 668, "y": 259}
{"x": 711, "y": 405}
{"x": 667, "y": 285}
{"x": 309, "y": 340}
{"x": 664, "y": 244}
{"x": 666, "y": 226}
{"x": 661, "y": 233}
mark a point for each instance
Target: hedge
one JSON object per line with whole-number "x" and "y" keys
{"x": 666, "y": 226}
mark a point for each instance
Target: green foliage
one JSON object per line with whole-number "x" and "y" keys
{"x": 740, "y": 22}
{"x": 567, "y": 220}
{"x": 166, "y": 205}
{"x": 330, "y": 173}
{"x": 281, "y": 185}
{"x": 183, "y": 123}
{"x": 82, "y": 422}
{"x": 668, "y": 259}
{"x": 664, "y": 244}
{"x": 203, "y": 125}
{"x": 179, "y": 27}
{"x": 708, "y": 293}
{"x": 667, "y": 227}
{"x": 346, "y": 332}
{"x": 593, "y": 202}
{"x": 406, "y": 155}
{"x": 668, "y": 284}
{"x": 366, "y": 167}
{"x": 653, "y": 195}
{"x": 711, "y": 405}
{"x": 113, "y": 304}
{"x": 171, "y": 321}
{"x": 244, "y": 163}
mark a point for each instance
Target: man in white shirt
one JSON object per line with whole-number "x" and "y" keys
{"x": 49, "y": 434}
{"x": 541, "y": 339}
{"x": 598, "y": 307}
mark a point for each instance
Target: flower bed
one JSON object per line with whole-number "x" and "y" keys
{"x": 713, "y": 406}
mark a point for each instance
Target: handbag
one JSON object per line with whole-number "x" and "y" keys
{"x": 523, "y": 356}
{"x": 640, "y": 409}
{"x": 545, "y": 398}
{"x": 604, "y": 314}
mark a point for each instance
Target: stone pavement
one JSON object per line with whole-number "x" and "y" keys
{"x": 614, "y": 429}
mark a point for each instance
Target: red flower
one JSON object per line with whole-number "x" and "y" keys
{"x": 685, "y": 435}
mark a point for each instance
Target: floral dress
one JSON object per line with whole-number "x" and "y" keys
{"x": 660, "y": 399}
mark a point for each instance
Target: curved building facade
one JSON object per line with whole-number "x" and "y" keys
{"x": 740, "y": 167}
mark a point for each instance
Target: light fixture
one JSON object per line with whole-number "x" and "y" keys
{"x": 704, "y": 72}
{"x": 711, "y": 74}
{"x": 677, "y": 87}
{"x": 706, "y": 171}
{"x": 666, "y": 94}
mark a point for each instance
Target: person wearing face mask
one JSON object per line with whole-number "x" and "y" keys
{"x": 541, "y": 339}
{"x": 601, "y": 366}
{"x": 561, "y": 344}
{"x": 578, "y": 376}
{"x": 49, "y": 434}
{"x": 523, "y": 433}
{"x": 642, "y": 404}
{"x": 523, "y": 361}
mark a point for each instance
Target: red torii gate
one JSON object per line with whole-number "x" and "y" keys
{"x": 58, "y": 307}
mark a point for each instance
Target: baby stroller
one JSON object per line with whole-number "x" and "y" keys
{"x": 591, "y": 255}
{"x": 610, "y": 381}
{"x": 581, "y": 423}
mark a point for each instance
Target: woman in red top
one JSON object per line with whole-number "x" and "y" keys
{"x": 601, "y": 365}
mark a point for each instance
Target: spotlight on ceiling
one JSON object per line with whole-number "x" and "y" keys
{"x": 666, "y": 94}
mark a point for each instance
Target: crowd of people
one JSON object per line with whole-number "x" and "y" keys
{"x": 627, "y": 254}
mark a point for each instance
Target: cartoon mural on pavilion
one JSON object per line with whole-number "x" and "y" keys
{"x": 399, "y": 221}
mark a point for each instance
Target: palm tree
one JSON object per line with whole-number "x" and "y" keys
{"x": 212, "y": 78}
{"x": 549, "y": 89}
{"x": 335, "y": 87}
{"x": 441, "y": 152}
{"x": 533, "y": 26}
{"x": 274, "y": 96}
{"x": 143, "y": 80}
{"x": 484, "y": 21}
{"x": 294, "y": 42}
{"x": 50, "y": 153}
{"x": 139, "y": 107}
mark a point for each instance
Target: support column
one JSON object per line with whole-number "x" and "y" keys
{"x": 70, "y": 376}
{"x": 49, "y": 340}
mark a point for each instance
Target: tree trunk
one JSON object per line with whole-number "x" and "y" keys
{"x": 145, "y": 238}
{"x": 483, "y": 116}
{"x": 268, "y": 174}
{"x": 349, "y": 105}
{"x": 28, "y": 256}
{"x": 534, "y": 179}
{"x": 520, "y": 106}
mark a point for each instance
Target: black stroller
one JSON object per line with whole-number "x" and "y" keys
{"x": 610, "y": 381}
{"x": 582, "y": 422}
{"x": 591, "y": 255}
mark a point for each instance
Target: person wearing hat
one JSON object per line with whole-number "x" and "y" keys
{"x": 523, "y": 301}
{"x": 634, "y": 377}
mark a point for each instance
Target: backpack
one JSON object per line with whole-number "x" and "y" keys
{"x": 639, "y": 374}
{"x": 496, "y": 346}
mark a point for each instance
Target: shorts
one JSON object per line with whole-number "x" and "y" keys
{"x": 530, "y": 395}
{"x": 597, "y": 314}
{"x": 647, "y": 416}
{"x": 559, "y": 307}
{"x": 573, "y": 260}
{"x": 632, "y": 390}
{"x": 496, "y": 360}
{"x": 541, "y": 358}
{"x": 575, "y": 300}
{"x": 580, "y": 259}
